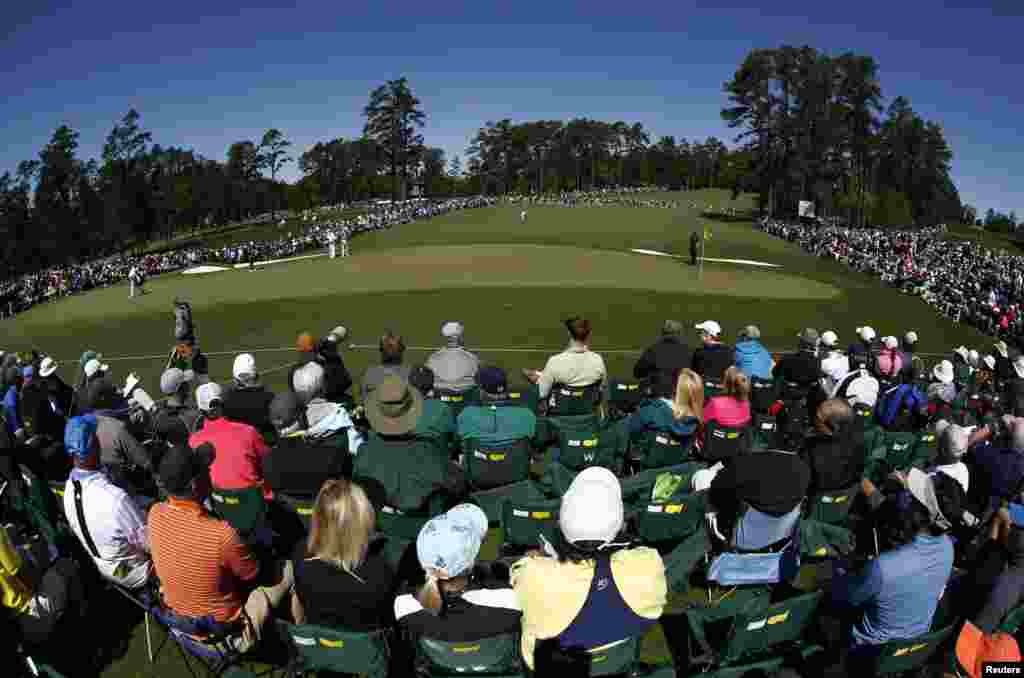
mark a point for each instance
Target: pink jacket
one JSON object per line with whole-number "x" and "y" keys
{"x": 889, "y": 362}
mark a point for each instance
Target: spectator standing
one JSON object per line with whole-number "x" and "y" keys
{"x": 713, "y": 358}
{"x": 668, "y": 355}
{"x": 342, "y": 580}
{"x": 454, "y": 367}
{"x": 751, "y": 356}
{"x": 60, "y": 393}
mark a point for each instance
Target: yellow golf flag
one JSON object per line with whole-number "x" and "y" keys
{"x": 707, "y": 233}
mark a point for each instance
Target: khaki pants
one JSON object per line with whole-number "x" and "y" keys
{"x": 258, "y": 609}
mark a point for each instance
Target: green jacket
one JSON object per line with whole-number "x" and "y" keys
{"x": 436, "y": 423}
{"x": 402, "y": 471}
{"x": 498, "y": 424}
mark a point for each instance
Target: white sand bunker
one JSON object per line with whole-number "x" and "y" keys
{"x": 746, "y": 262}
{"x": 203, "y": 269}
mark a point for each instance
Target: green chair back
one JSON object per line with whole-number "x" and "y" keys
{"x": 617, "y": 660}
{"x": 658, "y": 449}
{"x": 900, "y": 449}
{"x": 489, "y": 466}
{"x": 497, "y": 656}
{"x": 570, "y": 401}
{"x": 722, "y": 443}
{"x": 758, "y": 632}
{"x": 400, "y": 525}
{"x": 458, "y": 400}
{"x": 324, "y": 649}
{"x": 900, "y": 656}
{"x": 624, "y": 397}
{"x": 762, "y": 394}
{"x": 585, "y": 441}
{"x": 676, "y": 517}
{"x": 764, "y": 433}
{"x": 527, "y": 396}
{"x": 524, "y": 522}
{"x": 1013, "y": 621}
{"x": 245, "y": 509}
{"x": 833, "y": 507}
{"x": 300, "y": 506}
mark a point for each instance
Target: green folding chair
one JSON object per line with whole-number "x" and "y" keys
{"x": 316, "y": 648}
{"x": 400, "y": 529}
{"x": 524, "y": 523}
{"x": 245, "y": 509}
{"x": 1013, "y": 621}
{"x": 901, "y": 656}
{"x": 489, "y": 465}
{"x": 570, "y": 401}
{"x": 586, "y": 440}
{"x": 458, "y": 400}
{"x": 676, "y": 517}
{"x": 621, "y": 659}
{"x": 498, "y": 656}
{"x": 300, "y": 506}
{"x": 658, "y": 449}
{"x": 624, "y": 397}
{"x": 765, "y": 636}
{"x": 833, "y": 507}
{"x": 723, "y": 443}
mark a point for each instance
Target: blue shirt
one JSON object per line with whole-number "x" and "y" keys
{"x": 753, "y": 359}
{"x": 11, "y": 410}
{"x": 898, "y": 591}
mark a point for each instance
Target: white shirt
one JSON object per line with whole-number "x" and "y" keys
{"x": 958, "y": 472}
{"x": 117, "y": 526}
{"x": 834, "y": 366}
{"x": 575, "y": 366}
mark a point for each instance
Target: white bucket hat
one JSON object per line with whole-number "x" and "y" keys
{"x": 944, "y": 372}
{"x": 867, "y": 333}
{"x": 592, "y": 507}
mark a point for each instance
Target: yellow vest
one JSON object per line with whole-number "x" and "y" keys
{"x": 15, "y": 593}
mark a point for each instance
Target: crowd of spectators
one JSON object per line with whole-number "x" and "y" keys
{"x": 27, "y": 291}
{"x": 613, "y": 196}
{"x": 898, "y": 482}
{"x": 962, "y": 279}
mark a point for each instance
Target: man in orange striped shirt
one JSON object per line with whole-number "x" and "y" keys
{"x": 203, "y": 565}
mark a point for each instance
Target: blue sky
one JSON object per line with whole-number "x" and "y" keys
{"x": 205, "y": 74}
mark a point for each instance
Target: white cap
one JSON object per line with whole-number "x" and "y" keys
{"x": 94, "y": 366}
{"x": 307, "y": 381}
{"x": 245, "y": 364}
{"x": 990, "y": 362}
{"x": 207, "y": 393}
{"x": 863, "y": 391}
{"x": 339, "y": 334}
{"x": 866, "y": 333}
{"x": 890, "y": 342}
{"x": 452, "y": 328}
{"x": 47, "y": 367}
{"x": 973, "y": 357}
{"x": 910, "y": 337}
{"x": 944, "y": 372}
{"x": 829, "y": 338}
{"x": 592, "y": 507}
{"x": 962, "y": 352}
{"x": 710, "y": 327}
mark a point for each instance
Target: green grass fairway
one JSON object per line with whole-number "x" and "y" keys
{"x": 512, "y": 284}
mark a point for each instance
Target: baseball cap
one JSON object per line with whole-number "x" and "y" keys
{"x": 245, "y": 365}
{"x": 710, "y": 327}
{"x": 180, "y": 465}
{"x": 920, "y": 485}
{"x": 592, "y": 508}
{"x": 829, "y": 338}
{"x": 308, "y": 380}
{"x": 207, "y": 394}
{"x": 80, "y": 439}
{"x": 338, "y": 334}
{"x": 866, "y": 333}
{"x": 94, "y": 366}
{"x": 890, "y": 342}
{"x": 452, "y": 329}
{"x": 751, "y": 332}
{"x": 48, "y": 367}
{"x": 910, "y": 337}
{"x": 172, "y": 379}
{"x": 492, "y": 380}
{"x": 672, "y": 327}
{"x": 809, "y": 336}
{"x": 990, "y": 362}
{"x": 944, "y": 372}
{"x": 974, "y": 649}
{"x": 448, "y": 544}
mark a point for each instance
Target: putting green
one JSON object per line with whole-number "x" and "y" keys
{"x": 437, "y": 267}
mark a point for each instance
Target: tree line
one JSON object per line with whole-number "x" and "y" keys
{"x": 810, "y": 127}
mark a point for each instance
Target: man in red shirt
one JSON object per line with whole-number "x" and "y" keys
{"x": 203, "y": 566}
{"x": 239, "y": 449}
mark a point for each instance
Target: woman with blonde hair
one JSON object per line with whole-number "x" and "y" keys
{"x": 341, "y": 578}
{"x": 677, "y": 407}
{"x": 461, "y": 600}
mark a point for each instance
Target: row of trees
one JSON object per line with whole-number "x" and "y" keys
{"x": 814, "y": 128}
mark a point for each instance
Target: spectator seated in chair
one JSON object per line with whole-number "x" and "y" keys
{"x": 392, "y": 351}
{"x": 330, "y": 424}
{"x": 712, "y": 358}
{"x": 247, "y": 401}
{"x": 589, "y": 590}
{"x": 751, "y": 356}
{"x": 204, "y": 568}
{"x": 341, "y": 579}
{"x": 108, "y": 522}
{"x": 438, "y": 419}
{"x": 835, "y": 453}
{"x": 296, "y": 466}
{"x": 460, "y": 601}
{"x": 732, "y": 408}
{"x": 454, "y": 367}
{"x": 175, "y": 418}
{"x": 575, "y": 367}
{"x": 667, "y": 356}
{"x": 676, "y": 409}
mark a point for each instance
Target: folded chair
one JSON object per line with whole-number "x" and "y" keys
{"x": 904, "y": 656}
